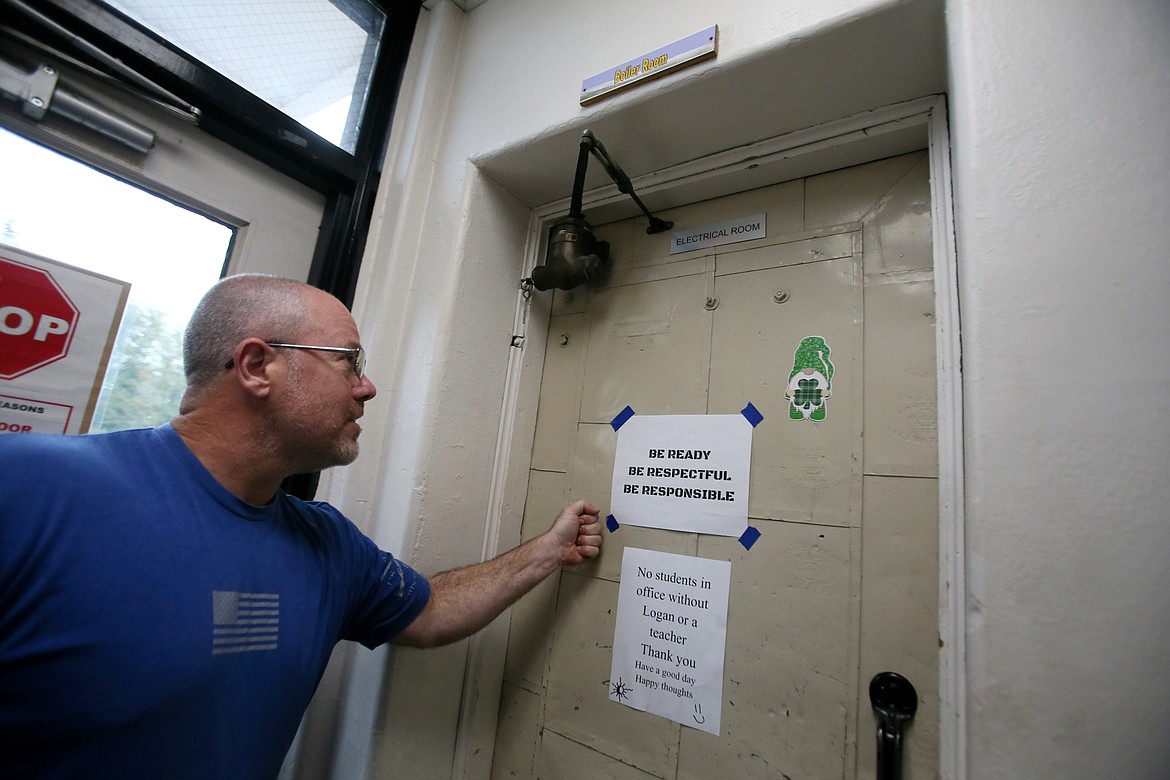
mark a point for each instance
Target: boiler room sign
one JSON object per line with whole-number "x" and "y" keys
{"x": 57, "y": 327}
{"x": 683, "y": 473}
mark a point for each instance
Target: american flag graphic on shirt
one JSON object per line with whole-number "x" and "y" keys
{"x": 244, "y": 622}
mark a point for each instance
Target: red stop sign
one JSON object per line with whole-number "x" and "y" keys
{"x": 37, "y": 319}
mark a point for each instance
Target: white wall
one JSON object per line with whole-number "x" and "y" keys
{"x": 1061, "y": 134}
{"x": 440, "y": 282}
{"x": 1059, "y": 115}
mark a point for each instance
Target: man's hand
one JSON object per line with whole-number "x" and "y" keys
{"x": 578, "y": 532}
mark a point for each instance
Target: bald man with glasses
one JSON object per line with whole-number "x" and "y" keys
{"x": 166, "y": 610}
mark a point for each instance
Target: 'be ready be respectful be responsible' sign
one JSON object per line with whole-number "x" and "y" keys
{"x": 683, "y": 473}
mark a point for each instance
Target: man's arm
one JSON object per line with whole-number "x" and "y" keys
{"x": 465, "y": 600}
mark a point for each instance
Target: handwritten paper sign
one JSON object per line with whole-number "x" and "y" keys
{"x": 671, "y": 632}
{"x": 683, "y": 473}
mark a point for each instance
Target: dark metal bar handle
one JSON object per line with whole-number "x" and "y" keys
{"x": 889, "y": 751}
{"x": 894, "y": 702}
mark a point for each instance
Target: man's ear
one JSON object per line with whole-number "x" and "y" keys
{"x": 253, "y": 363}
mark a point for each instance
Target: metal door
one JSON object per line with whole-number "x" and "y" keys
{"x": 842, "y": 584}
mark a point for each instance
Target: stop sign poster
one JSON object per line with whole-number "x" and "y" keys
{"x": 57, "y": 328}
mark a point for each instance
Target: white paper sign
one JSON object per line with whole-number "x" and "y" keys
{"x": 57, "y": 329}
{"x": 729, "y": 231}
{"x": 671, "y": 632}
{"x": 683, "y": 473}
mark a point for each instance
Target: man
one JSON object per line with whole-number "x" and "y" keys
{"x": 166, "y": 611}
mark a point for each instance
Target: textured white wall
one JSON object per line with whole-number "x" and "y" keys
{"x": 523, "y": 61}
{"x": 1059, "y": 126}
{"x": 1061, "y": 134}
{"x": 439, "y": 283}
{"x": 446, "y": 256}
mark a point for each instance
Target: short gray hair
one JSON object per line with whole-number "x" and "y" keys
{"x": 236, "y": 308}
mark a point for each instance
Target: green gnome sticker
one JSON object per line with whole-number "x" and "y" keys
{"x": 811, "y": 382}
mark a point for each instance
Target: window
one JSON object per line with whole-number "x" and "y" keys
{"x": 350, "y": 57}
{"x": 169, "y": 255}
{"x": 311, "y": 59}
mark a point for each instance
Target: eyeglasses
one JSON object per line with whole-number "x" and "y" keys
{"x": 355, "y": 355}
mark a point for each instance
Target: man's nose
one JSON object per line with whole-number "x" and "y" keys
{"x": 365, "y": 389}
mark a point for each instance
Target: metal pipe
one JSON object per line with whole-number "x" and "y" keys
{"x": 40, "y": 92}
{"x": 102, "y": 120}
{"x": 113, "y": 63}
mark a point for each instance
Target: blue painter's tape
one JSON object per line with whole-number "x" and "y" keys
{"x": 611, "y": 523}
{"x": 620, "y": 420}
{"x": 752, "y": 414}
{"x": 749, "y": 537}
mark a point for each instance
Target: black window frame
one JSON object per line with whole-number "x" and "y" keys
{"x": 230, "y": 113}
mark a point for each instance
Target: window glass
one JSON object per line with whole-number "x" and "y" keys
{"x": 58, "y": 208}
{"x": 312, "y": 59}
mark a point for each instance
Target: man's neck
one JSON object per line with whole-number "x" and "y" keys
{"x": 237, "y": 464}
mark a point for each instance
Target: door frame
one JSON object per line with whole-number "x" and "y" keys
{"x": 850, "y": 141}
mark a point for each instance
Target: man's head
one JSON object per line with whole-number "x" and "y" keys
{"x": 299, "y": 405}
{"x": 231, "y": 311}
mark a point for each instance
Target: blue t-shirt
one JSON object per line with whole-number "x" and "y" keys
{"x": 153, "y": 625}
